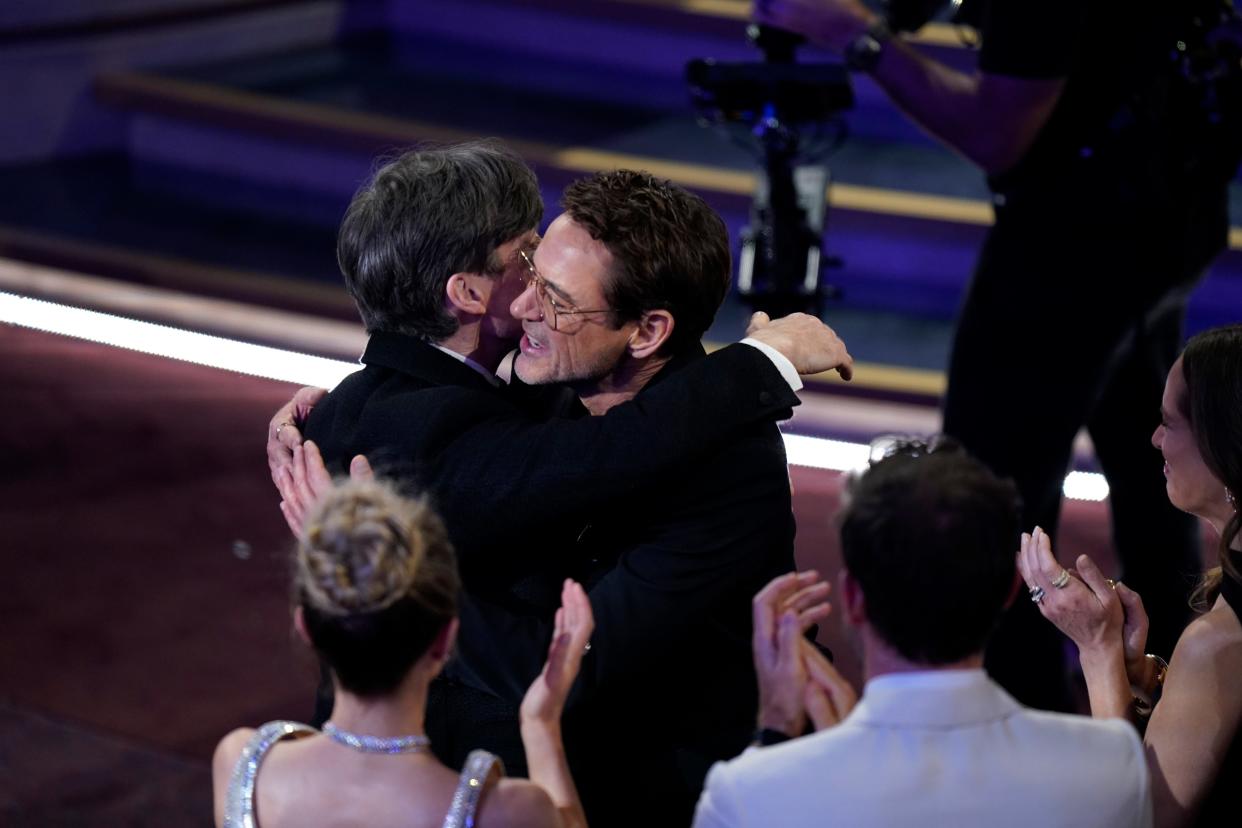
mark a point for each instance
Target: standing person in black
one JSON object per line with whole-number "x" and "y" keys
{"x": 1104, "y": 221}
{"x": 517, "y": 492}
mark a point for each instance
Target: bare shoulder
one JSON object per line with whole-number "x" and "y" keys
{"x": 518, "y": 803}
{"x": 1212, "y": 643}
{"x": 229, "y": 750}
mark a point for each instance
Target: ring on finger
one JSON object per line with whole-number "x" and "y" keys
{"x": 1037, "y": 594}
{"x": 281, "y": 428}
{"x": 1062, "y": 580}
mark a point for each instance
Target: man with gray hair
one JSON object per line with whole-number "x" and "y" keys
{"x": 439, "y": 253}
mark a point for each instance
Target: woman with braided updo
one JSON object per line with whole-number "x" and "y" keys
{"x": 376, "y": 590}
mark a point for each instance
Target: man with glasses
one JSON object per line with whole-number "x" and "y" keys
{"x": 434, "y": 251}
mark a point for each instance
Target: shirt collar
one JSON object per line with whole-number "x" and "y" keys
{"x": 490, "y": 376}
{"x": 933, "y": 698}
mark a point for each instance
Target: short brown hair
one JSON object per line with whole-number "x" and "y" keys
{"x": 671, "y": 249}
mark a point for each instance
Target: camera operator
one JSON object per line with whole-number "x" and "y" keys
{"x": 1106, "y": 215}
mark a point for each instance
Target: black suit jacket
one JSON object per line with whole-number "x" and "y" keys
{"x": 668, "y": 686}
{"x": 516, "y": 491}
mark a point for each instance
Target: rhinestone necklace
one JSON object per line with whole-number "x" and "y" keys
{"x": 376, "y": 744}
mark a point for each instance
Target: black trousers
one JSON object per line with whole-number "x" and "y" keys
{"x": 1073, "y": 318}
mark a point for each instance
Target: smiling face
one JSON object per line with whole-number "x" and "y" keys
{"x": 1190, "y": 483}
{"x": 582, "y": 347}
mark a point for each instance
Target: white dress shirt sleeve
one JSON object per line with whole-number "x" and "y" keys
{"x": 781, "y": 362}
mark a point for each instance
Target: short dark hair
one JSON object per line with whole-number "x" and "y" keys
{"x": 424, "y": 216}
{"x": 1212, "y": 404}
{"x": 376, "y": 579}
{"x": 931, "y": 536}
{"x": 671, "y": 249}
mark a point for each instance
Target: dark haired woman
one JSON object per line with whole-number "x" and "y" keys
{"x": 1193, "y": 746}
{"x": 376, "y": 587}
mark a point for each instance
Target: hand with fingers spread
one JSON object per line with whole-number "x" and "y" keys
{"x": 306, "y": 479}
{"x": 571, "y": 635}
{"x": 782, "y": 612}
{"x": 807, "y": 342}
{"x": 541, "y": 709}
{"x": 1083, "y": 606}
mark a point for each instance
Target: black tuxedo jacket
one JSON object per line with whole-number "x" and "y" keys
{"x": 668, "y": 686}
{"x": 516, "y": 491}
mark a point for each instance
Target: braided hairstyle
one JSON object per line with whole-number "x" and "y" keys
{"x": 376, "y": 579}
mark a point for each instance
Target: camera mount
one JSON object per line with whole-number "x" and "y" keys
{"x": 778, "y": 100}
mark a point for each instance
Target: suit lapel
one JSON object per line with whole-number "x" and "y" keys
{"x": 422, "y": 361}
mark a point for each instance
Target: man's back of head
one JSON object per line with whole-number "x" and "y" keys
{"x": 421, "y": 218}
{"x": 930, "y": 536}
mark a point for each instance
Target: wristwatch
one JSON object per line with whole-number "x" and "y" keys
{"x": 863, "y": 52}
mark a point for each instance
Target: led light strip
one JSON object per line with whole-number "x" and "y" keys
{"x": 161, "y": 340}
{"x": 288, "y": 366}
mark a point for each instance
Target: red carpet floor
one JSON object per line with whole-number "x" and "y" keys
{"x": 145, "y": 608}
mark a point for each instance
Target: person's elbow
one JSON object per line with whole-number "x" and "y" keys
{"x": 1011, "y": 116}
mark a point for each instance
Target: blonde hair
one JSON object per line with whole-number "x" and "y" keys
{"x": 377, "y": 580}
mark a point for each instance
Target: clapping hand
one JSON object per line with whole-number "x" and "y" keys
{"x": 794, "y": 677}
{"x": 1082, "y": 604}
{"x": 306, "y": 479}
{"x": 574, "y": 623}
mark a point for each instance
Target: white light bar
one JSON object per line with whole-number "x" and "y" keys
{"x": 160, "y": 340}
{"x": 1085, "y": 486}
{"x": 818, "y": 453}
{"x": 835, "y": 455}
{"x": 288, "y": 366}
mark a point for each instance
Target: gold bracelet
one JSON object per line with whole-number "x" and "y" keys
{"x": 1144, "y": 703}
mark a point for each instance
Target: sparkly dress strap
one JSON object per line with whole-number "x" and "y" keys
{"x": 481, "y": 770}
{"x": 239, "y": 801}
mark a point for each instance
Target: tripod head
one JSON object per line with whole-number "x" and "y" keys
{"x": 776, "y": 100}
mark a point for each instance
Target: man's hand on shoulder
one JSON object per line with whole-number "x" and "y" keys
{"x": 284, "y": 435}
{"x": 805, "y": 341}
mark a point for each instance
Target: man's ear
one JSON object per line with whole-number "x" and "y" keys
{"x": 853, "y": 602}
{"x": 468, "y": 292}
{"x": 654, "y": 329}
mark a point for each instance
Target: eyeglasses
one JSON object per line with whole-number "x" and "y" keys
{"x": 550, "y": 309}
{"x": 888, "y": 445}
